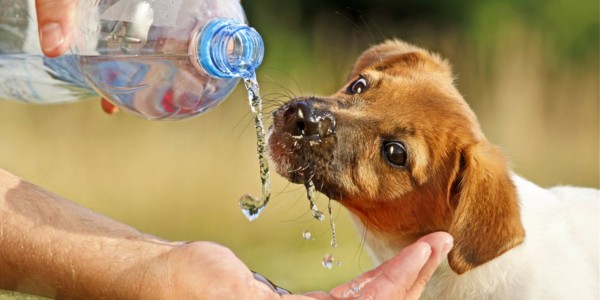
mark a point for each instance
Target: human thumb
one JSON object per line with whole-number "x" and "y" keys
{"x": 56, "y": 20}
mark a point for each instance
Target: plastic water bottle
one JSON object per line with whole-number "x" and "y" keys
{"x": 160, "y": 59}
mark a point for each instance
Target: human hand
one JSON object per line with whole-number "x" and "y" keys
{"x": 403, "y": 277}
{"x": 210, "y": 271}
{"x": 56, "y": 22}
{"x": 56, "y": 19}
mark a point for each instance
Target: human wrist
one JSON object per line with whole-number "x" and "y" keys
{"x": 137, "y": 271}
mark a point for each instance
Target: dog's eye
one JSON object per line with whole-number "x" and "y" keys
{"x": 358, "y": 86}
{"x": 395, "y": 154}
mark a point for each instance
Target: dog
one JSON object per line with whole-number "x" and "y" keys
{"x": 404, "y": 153}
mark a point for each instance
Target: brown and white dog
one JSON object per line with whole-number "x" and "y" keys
{"x": 400, "y": 148}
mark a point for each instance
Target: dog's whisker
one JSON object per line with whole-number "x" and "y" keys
{"x": 287, "y": 93}
{"x": 299, "y": 169}
{"x": 285, "y": 88}
{"x": 357, "y": 28}
{"x": 364, "y": 18}
{"x": 280, "y": 95}
{"x": 246, "y": 118}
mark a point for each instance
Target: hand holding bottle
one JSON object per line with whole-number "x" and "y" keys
{"x": 56, "y": 19}
{"x": 161, "y": 60}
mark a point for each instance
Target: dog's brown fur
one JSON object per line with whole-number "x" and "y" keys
{"x": 454, "y": 180}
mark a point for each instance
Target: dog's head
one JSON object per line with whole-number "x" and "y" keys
{"x": 400, "y": 148}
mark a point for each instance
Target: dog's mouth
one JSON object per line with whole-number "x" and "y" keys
{"x": 301, "y": 143}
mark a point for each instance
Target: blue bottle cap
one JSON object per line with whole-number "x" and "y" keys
{"x": 228, "y": 48}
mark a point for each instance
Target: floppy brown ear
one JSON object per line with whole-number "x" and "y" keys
{"x": 486, "y": 220}
{"x": 399, "y": 56}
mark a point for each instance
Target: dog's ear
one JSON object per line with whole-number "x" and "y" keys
{"x": 486, "y": 220}
{"x": 397, "y": 57}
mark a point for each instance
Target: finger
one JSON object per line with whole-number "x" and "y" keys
{"x": 398, "y": 275}
{"x": 393, "y": 278}
{"x": 108, "y": 107}
{"x": 56, "y": 20}
{"x": 317, "y": 295}
{"x": 365, "y": 278}
{"x": 409, "y": 280}
{"x": 440, "y": 243}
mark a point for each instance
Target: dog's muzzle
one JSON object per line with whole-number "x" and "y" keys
{"x": 302, "y": 143}
{"x": 303, "y": 121}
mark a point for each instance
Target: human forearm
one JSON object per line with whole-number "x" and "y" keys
{"x": 52, "y": 247}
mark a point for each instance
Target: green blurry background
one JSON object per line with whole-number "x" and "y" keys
{"x": 528, "y": 68}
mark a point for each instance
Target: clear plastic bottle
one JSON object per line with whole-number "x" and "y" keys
{"x": 160, "y": 59}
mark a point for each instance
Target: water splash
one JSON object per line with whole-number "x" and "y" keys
{"x": 310, "y": 194}
{"x": 253, "y": 206}
{"x": 356, "y": 288}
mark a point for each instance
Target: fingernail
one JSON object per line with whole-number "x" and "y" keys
{"x": 448, "y": 246}
{"x": 425, "y": 251}
{"x": 108, "y": 107}
{"x": 51, "y": 36}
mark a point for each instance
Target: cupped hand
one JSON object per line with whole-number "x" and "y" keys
{"x": 403, "y": 277}
{"x": 204, "y": 270}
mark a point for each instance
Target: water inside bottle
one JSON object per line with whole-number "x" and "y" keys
{"x": 156, "y": 86}
{"x": 34, "y": 78}
{"x": 152, "y": 86}
{"x": 253, "y": 206}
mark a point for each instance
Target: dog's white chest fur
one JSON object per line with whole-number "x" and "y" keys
{"x": 559, "y": 258}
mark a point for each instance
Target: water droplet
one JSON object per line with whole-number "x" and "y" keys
{"x": 355, "y": 289}
{"x": 318, "y": 215}
{"x": 251, "y": 206}
{"x": 306, "y": 235}
{"x": 332, "y": 225}
{"x": 328, "y": 261}
{"x": 310, "y": 194}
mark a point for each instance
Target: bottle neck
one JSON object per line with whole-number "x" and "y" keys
{"x": 227, "y": 48}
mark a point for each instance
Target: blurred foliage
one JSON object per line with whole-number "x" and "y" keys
{"x": 528, "y": 68}
{"x": 571, "y": 27}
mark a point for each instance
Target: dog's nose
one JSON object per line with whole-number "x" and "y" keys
{"x": 303, "y": 120}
